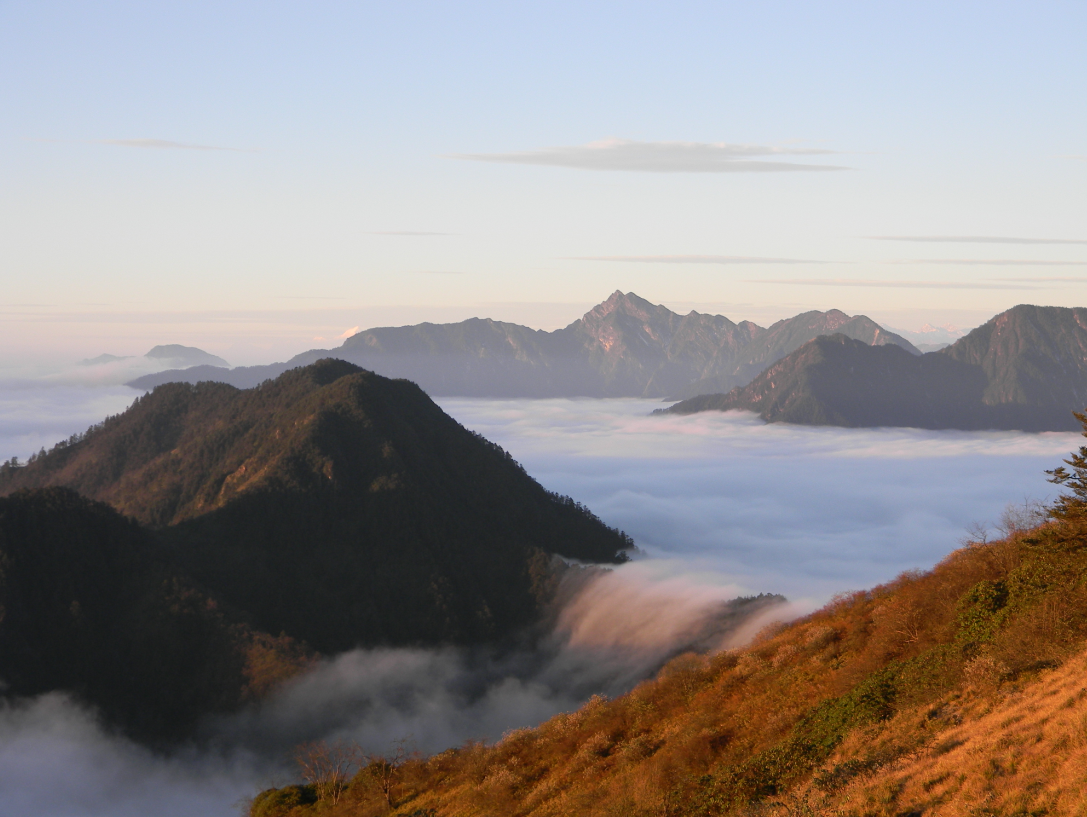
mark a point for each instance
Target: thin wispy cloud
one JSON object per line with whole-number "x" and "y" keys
{"x": 975, "y": 239}
{"x": 995, "y": 262}
{"x": 405, "y": 232}
{"x": 692, "y": 259}
{"x": 165, "y": 144}
{"x": 1062, "y": 279}
{"x": 661, "y": 157}
{"x": 858, "y": 282}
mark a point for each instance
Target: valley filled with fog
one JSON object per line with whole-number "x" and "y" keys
{"x": 719, "y": 505}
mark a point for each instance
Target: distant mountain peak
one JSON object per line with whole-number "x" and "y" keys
{"x": 186, "y": 355}
{"x": 626, "y": 303}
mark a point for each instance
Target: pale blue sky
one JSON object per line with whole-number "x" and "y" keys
{"x": 344, "y": 123}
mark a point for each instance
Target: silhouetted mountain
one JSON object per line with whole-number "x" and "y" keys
{"x": 334, "y": 505}
{"x": 787, "y": 335}
{"x": 624, "y": 347}
{"x": 185, "y": 356}
{"x": 173, "y": 355}
{"x": 834, "y": 380}
{"x": 101, "y": 359}
{"x": 91, "y": 604}
{"x": 1032, "y": 356}
{"x": 1025, "y": 369}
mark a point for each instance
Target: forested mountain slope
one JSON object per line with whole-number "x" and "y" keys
{"x": 91, "y": 605}
{"x": 334, "y": 505}
{"x": 1025, "y": 369}
{"x": 623, "y": 347}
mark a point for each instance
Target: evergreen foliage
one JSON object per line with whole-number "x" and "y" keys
{"x": 90, "y": 604}
{"x": 1074, "y": 504}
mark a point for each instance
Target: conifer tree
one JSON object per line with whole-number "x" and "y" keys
{"x": 1073, "y": 505}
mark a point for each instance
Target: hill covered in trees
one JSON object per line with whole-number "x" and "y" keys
{"x": 1025, "y": 369}
{"x": 333, "y": 505}
{"x": 957, "y": 690}
{"x": 91, "y": 604}
{"x": 623, "y": 347}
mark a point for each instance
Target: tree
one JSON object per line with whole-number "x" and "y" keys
{"x": 1073, "y": 505}
{"x": 385, "y": 769}
{"x": 327, "y": 767}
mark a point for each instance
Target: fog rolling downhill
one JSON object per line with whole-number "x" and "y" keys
{"x": 608, "y": 630}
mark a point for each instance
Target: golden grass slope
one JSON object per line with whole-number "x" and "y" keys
{"x": 1016, "y": 751}
{"x": 956, "y": 691}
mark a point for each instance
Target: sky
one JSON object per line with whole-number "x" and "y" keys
{"x": 256, "y": 179}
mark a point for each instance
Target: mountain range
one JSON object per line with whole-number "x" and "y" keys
{"x": 623, "y": 347}
{"x": 1024, "y": 369}
{"x": 332, "y": 506}
{"x": 173, "y": 355}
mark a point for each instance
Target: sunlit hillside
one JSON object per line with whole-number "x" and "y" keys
{"x": 960, "y": 690}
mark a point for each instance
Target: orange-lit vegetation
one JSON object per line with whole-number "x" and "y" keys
{"x": 959, "y": 690}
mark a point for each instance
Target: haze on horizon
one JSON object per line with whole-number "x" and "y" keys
{"x": 257, "y": 180}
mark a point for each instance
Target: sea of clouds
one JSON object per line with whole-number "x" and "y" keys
{"x": 720, "y": 505}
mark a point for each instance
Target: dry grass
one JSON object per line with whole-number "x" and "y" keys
{"x": 1022, "y": 751}
{"x": 957, "y": 691}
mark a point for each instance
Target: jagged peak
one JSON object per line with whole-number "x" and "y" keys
{"x": 627, "y": 303}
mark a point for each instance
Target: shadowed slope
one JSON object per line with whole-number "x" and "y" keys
{"x": 1025, "y": 369}
{"x": 837, "y": 381}
{"x": 92, "y": 605}
{"x": 335, "y": 505}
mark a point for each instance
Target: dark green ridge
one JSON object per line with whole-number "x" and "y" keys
{"x": 334, "y": 505}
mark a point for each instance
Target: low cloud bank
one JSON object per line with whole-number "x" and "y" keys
{"x": 798, "y": 510}
{"x": 33, "y": 416}
{"x": 56, "y": 760}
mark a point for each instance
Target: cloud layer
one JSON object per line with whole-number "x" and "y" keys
{"x": 802, "y": 511}
{"x": 661, "y": 157}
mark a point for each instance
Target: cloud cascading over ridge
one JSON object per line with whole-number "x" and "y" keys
{"x": 660, "y": 157}
{"x": 975, "y": 239}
